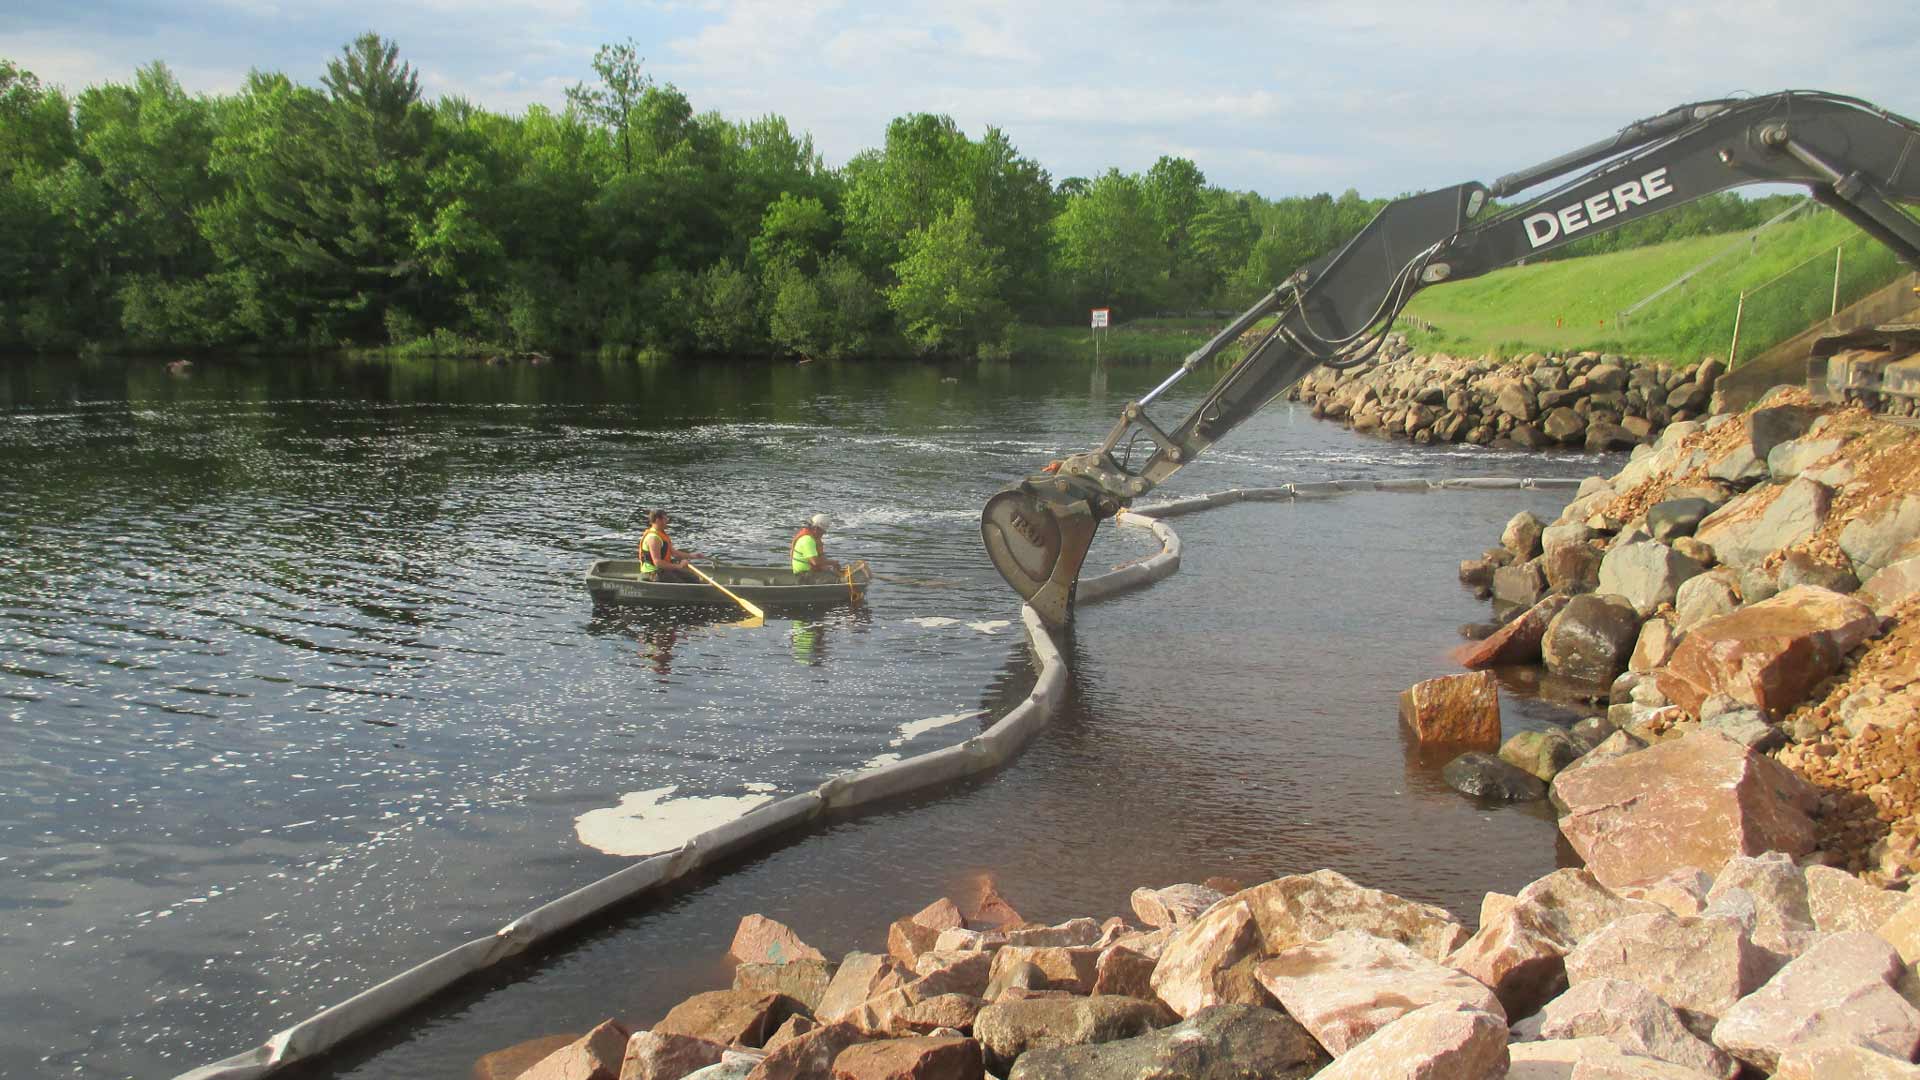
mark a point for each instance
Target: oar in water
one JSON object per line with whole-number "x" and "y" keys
{"x": 755, "y": 616}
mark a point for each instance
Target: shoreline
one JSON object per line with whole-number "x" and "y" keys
{"x": 1564, "y": 960}
{"x": 1591, "y": 400}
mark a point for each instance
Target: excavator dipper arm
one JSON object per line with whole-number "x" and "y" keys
{"x": 1857, "y": 158}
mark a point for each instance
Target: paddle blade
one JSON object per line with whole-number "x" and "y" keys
{"x": 1038, "y": 545}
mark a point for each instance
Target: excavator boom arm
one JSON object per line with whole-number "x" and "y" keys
{"x": 1855, "y": 157}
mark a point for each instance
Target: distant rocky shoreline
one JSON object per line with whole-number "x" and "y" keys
{"x": 1585, "y": 400}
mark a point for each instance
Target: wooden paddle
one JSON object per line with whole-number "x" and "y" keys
{"x": 755, "y": 616}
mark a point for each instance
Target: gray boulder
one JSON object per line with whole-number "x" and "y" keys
{"x": 1606, "y": 378}
{"x": 1688, "y": 397}
{"x": 1522, "y": 535}
{"x": 1010, "y": 1029}
{"x": 1573, "y": 569}
{"x": 1519, "y": 586}
{"x": 1604, "y": 436}
{"x": 1541, "y": 753}
{"x": 1739, "y": 467}
{"x": 1563, "y": 425}
{"x": 1769, "y": 427}
{"x": 1796, "y": 456}
{"x": 1707, "y": 596}
{"x": 1676, "y": 518}
{"x": 1485, "y": 776}
{"x": 1573, "y": 532}
{"x": 1870, "y": 539}
{"x": 1755, "y": 525}
{"x": 1516, "y": 401}
{"x": 1591, "y": 732}
{"x": 1529, "y": 437}
{"x": 1592, "y": 638}
{"x": 1225, "y": 1042}
{"x": 1800, "y": 568}
{"x": 1749, "y": 727}
{"x": 1477, "y": 574}
{"x": 1646, "y": 574}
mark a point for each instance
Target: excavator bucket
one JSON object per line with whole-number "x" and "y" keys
{"x": 1038, "y": 544}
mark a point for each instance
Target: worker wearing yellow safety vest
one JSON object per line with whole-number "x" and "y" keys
{"x": 808, "y": 556}
{"x": 659, "y": 559}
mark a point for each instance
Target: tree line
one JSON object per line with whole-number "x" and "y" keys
{"x": 357, "y": 213}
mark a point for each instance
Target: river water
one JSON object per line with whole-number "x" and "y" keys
{"x": 300, "y": 686}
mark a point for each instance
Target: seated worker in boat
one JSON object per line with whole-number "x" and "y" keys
{"x": 659, "y": 559}
{"x": 809, "y": 557}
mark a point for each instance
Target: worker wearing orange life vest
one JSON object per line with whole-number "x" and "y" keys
{"x": 659, "y": 559}
{"x": 808, "y": 554}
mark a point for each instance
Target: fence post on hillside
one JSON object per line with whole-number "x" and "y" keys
{"x": 1837, "y": 252}
{"x": 1733, "y": 347}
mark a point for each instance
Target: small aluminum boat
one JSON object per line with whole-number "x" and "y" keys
{"x": 618, "y": 581}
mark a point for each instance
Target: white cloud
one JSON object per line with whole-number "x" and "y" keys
{"x": 1385, "y": 96}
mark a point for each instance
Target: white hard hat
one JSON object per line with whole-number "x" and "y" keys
{"x": 818, "y": 521}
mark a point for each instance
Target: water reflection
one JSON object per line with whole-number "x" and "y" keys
{"x": 302, "y": 684}
{"x": 809, "y": 642}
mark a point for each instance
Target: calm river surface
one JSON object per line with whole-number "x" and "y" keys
{"x": 299, "y": 684}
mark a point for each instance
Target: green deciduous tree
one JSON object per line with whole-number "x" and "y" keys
{"x": 1107, "y": 244}
{"x": 947, "y": 298}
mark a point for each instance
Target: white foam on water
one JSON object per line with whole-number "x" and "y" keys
{"x": 991, "y": 626}
{"x": 934, "y": 622}
{"x": 650, "y": 822}
{"x": 915, "y": 728}
{"x": 883, "y": 759}
{"x": 894, "y": 515}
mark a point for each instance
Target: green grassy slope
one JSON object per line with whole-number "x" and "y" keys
{"x": 1572, "y": 304}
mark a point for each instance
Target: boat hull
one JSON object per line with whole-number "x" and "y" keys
{"x": 618, "y": 582}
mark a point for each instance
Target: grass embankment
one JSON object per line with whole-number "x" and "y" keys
{"x": 1573, "y": 304}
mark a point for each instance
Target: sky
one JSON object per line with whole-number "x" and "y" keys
{"x": 1282, "y": 98}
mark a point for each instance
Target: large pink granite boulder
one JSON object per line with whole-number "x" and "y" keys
{"x": 1518, "y": 642}
{"x": 1175, "y": 905}
{"x": 659, "y": 1055}
{"x": 1457, "y": 710}
{"x": 1520, "y": 948}
{"x": 808, "y": 1056}
{"x": 1210, "y": 960}
{"x": 1590, "y": 1058}
{"x": 1690, "y": 802}
{"x": 760, "y": 940}
{"x": 1827, "y": 1060}
{"x": 1840, "y": 989}
{"x": 1521, "y": 955}
{"x": 728, "y": 1017}
{"x": 927, "y": 1057}
{"x": 1445, "y": 1041}
{"x": 594, "y": 1056}
{"x": 1344, "y": 988}
{"x": 1770, "y": 654}
{"x": 1634, "y": 1019}
{"x": 859, "y": 977}
{"x": 1838, "y": 901}
{"x": 1072, "y": 969}
{"x": 1783, "y": 923}
{"x": 1701, "y": 965}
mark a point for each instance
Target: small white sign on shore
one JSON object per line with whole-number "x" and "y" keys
{"x": 1100, "y": 315}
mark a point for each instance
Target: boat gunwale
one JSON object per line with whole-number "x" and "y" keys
{"x": 631, "y": 589}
